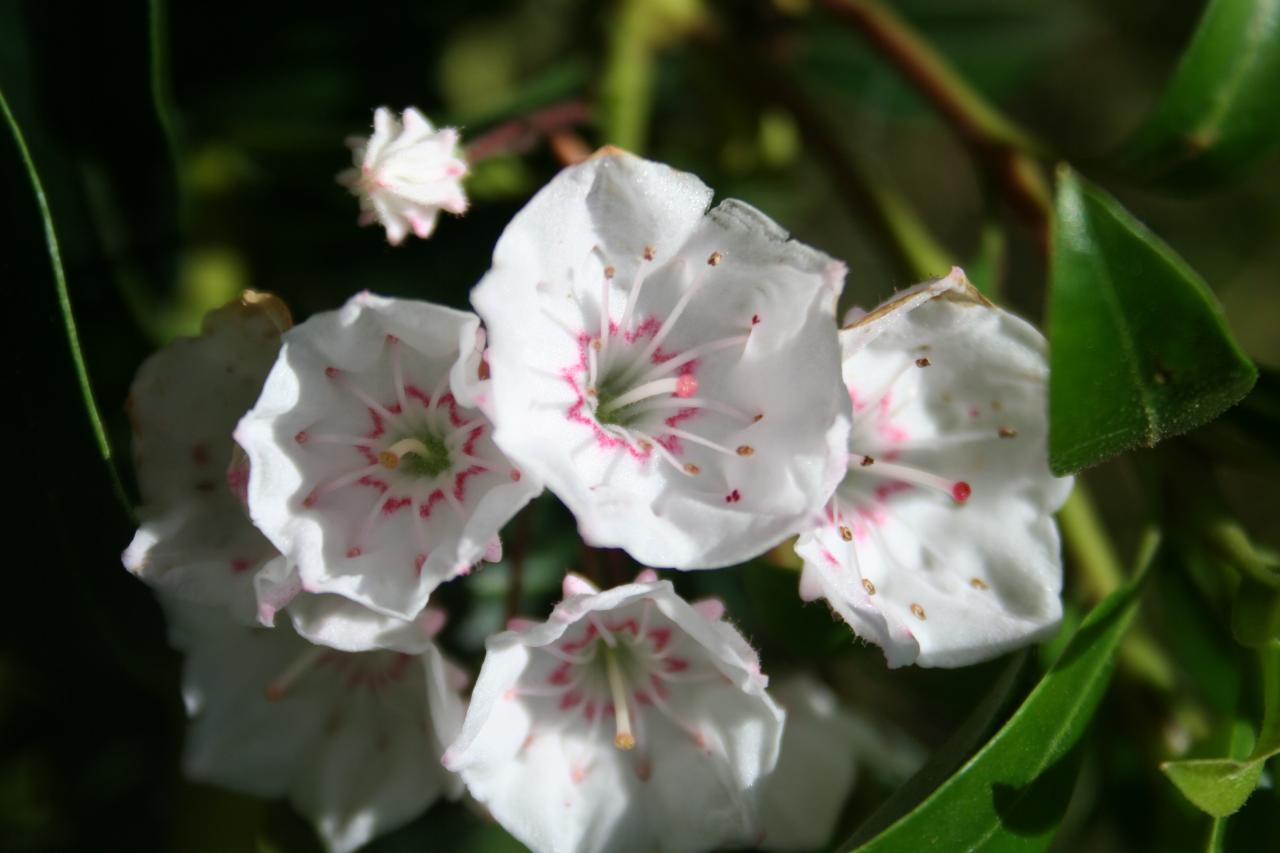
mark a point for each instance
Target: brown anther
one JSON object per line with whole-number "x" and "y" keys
{"x": 690, "y": 468}
{"x": 609, "y": 272}
{"x": 597, "y": 344}
{"x": 978, "y": 583}
{"x": 645, "y": 446}
{"x": 757, "y": 419}
{"x": 845, "y": 533}
{"x": 483, "y": 371}
{"x": 388, "y": 460}
{"x": 923, "y": 362}
{"x": 1006, "y": 432}
{"x": 591, "y": 392}
{"x": 746, "y": 450}
{"x": 918, "y": 611}
{"x": 997, "y": 406}
{"x": 650, "y": 253}
{"x": 867, "y": 460}
{"x": 715, "y": 259}
{"x": 869, "y": 586}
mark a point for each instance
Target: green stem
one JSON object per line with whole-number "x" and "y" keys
{"x": 64, "y": 305}
{"x": 626, "y": 86}
{"x": 1008, "y": 151}
{"x": 1087, "y": 541}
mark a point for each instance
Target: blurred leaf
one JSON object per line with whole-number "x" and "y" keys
{"x": 1218, "y": 116}
{"x": 1255, "y": 614}
{"x": 986, "y": 270}
{"x": 1139, "y": 349}
{"x": 1220, "y": 786}
{"x": 1013, "y": 793}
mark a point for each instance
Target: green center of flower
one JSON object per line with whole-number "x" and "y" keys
{"x": 424, "y": 455}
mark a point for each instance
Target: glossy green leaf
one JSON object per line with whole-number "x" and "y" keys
{"x": 1013, "y": 793}
{"x": 1218, "y": 115}
{"x": 1139, "y": 349}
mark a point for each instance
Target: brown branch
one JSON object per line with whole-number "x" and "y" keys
{"x": 524, "y": 132}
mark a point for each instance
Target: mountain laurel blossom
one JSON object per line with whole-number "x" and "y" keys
{"x": 351, "y": 739}
{"x": 801, "y": 800}
{"x": 405, "y": 174}
{"x": 665, "y": 370}
{"x": 629, "y": 720}
{"x": 364, "y": 470}
{"x": 195, "y": 538}
{"x": 939, "y": 545}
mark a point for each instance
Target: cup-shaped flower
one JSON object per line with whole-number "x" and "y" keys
{"x": 629, "y": 720}
{"x": 801, "y": 800}
{"x": 353, "y": 740}
{"x": 364, "y": 470}
{"x": 665, "y": 370}
{"x": 940, "y": 544}
{"x": 195, "y": 538}
{"x": 405, "y": 174}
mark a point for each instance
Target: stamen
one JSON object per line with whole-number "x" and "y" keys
{"x": 706, "y": 442}
{"x": 338, "y": 483}
{"x": 638, "y": 279}
{"x": 959, "y": 490}
{"x": 341, "y": 378}
{"x": 698, "y": 403}
{"x": 669, "y": 323}
{"x": 648, "y": 442}
{"x": 624, "y": 739}
{"x": 643, "y": 392}
{"x": 280, "y": 685}
{"x": 397, "y": 372}
{"x": 433, "y": 402}
{"x": 692, "y": 353}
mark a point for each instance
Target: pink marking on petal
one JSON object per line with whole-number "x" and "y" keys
{"x": 675, "y": 664}
{"x": 660, "y": 637}
{"x": 301, "y": 437}
{"x": 352, "y": 553}
{"x": 515, "y": 475}
{"x": 424, "y": 509}
{"x": 239, "y": 565}
{"x": 733, "y": 497}
{"x": 893, "y": 433}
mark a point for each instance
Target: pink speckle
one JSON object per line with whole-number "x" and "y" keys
{"x": 418, "y": 562}
{"x": 660, "y": 637}
{"x": 515, "y": 475}
{"x": 239, "y": 565}
{"x": 974, "y": 412}
{"x": 393, "y": 504}
{"x": 392, "y": 339}
{"x": 352, "y": 553}
{"x": 755, "y": 319}
{"x": 331, "y": 372}
{"x": 733, "y": 497}
{"x": 424, "y": 508}
{"x": 675, "y": 664}
{"x": 858, "y": 403}
{"x": 301, "y": 437}
{"x": 893, "y": 433}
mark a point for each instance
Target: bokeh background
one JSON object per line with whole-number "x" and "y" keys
{"x": 188, "y": 151}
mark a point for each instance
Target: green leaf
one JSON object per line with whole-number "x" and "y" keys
{"x": 1012, "y": 794}
{"x": 1139, "y": 349}
{"x": 1217, "y": 786}
{"x": 1218, "y": 116}
{"x": 1220, "y": 786}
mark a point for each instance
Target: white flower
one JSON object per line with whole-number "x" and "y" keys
{"x": 801, "y": 800}
{"x": 630, "y": 720}
{"x": 195, "y": 538}
{"x": 665, "y": 370}
{"x": 365, "y": 471}
{"x": 940, "y": 544}
{"x": 406, "y": 174}
{"x": 353, "y": 740}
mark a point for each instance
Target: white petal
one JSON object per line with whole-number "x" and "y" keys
{"x": 802, "y": 799}
{"x": 949, "y": 398}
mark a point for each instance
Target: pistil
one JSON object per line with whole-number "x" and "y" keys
{"x": 623, "y": 739}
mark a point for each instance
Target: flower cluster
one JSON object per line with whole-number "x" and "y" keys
{"x": 674, "y": 374}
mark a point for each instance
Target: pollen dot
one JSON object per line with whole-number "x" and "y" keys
{"x": 483, "y": 372}
{"x": 609, "y": 272}
{"x": 650, "y": 253}
{"x": 392, "y": 339}
{"x": 757, "y": 419}
{"x": 978, "y": 583}
{"x": 923, "y": 362}
{"x": 624, "y": 741}
{"x": 690, "y": 468}
{"x": 746, "y": 450}
{"x": 869, "y": 586}
{"x": 845, "y": 533}
{"x": 867, "y": 460}
{"x": 917, "y": 610}
{"x": 352, "y": 553}
{"x": 388, "y": 460}
{"x": 686, "y": 386}
{"x": 715, "y": 259}
{"x": 961, "y": 491}
{"x": 331, "y": 372}
{"x": 1007, "y": 432}
{"x": 301, "y": 437}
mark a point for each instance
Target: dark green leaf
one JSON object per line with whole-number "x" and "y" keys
{"x": 1139, "y": 349}
{"x": 1218, "y": 116}
{"x": 1012, "y": 794}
